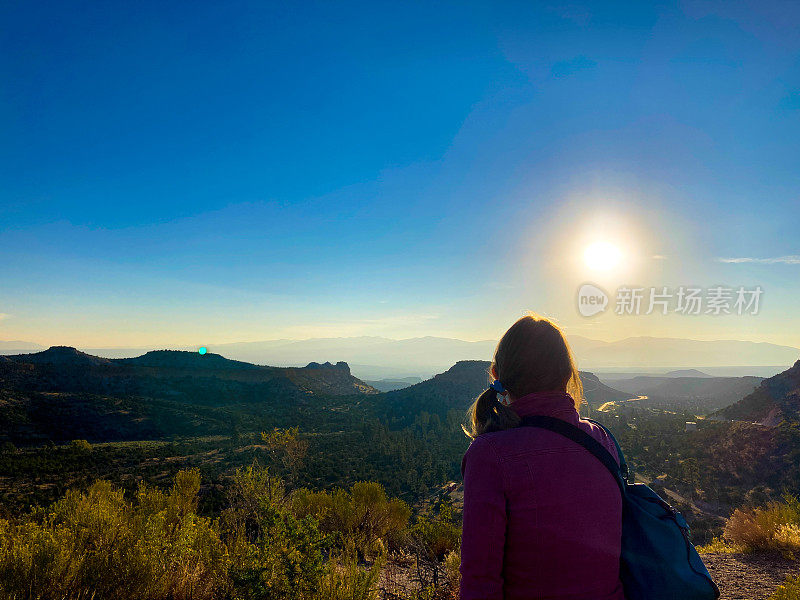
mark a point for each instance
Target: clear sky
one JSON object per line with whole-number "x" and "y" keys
{"x": 180, "y": 173}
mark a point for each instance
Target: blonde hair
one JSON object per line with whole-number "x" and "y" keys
{"x": 532, "y": 356}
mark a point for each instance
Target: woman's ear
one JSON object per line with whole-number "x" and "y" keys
{"x": 493, "y": 371}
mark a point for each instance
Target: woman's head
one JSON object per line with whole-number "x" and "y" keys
{"x": 532, "y": 356}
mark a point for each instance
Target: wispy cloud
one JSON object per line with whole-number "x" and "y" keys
{"x": 790, "y": 259}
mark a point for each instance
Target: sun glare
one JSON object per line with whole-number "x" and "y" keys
{"x": 602, "y": 256}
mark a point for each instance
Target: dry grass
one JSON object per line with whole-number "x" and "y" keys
{"x": 719, "y": 546}
{"x": 775, "y": 527}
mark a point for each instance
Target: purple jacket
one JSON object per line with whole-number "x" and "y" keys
{"x": 542, "y": 516}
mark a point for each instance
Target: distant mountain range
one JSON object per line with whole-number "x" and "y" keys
{"x": 12, "y": 347}
{"x": 376, "y": 358}
{"x": 678, "y": 353}
{"x": 428, "y": 355}
{"x": 686, "y": 373}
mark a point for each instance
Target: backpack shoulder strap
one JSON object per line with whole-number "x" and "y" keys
{"x": 579, "y": 436}
{"x": 623, "y": 464}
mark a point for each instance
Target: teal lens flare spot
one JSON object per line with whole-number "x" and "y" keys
{"x": 202, "y": 350}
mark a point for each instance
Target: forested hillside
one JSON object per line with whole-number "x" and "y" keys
{"x": 775, "y": 400}
{"x": 68, "y": 419}
{"x": 146, "y": 418}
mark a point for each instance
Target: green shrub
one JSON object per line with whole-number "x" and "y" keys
{"x": 97, "y": 544}
{"x": 275, "y": 554}
{"x": 80, "y": 446}
{"x": 452, "y": 569}
{"x": 719, "y": 545}
{"x": 345, "y": 579}
{"x": 101, "y": 545}
{"x": 252, "y": 496}
{"x": 361, "y": 517}
{"x": 790, "y": 590}
{"x": 437, "y": 534}
{"x": 285, "y": 563}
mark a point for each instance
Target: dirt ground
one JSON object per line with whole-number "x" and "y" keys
{"x": 749, "y": 576}
{"x": 739, "y": 576}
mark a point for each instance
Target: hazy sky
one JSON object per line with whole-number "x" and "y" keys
{"x": 180, "y": 173}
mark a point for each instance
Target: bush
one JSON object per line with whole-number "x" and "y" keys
{"x": 438, "y": 534}
{"x": 276, "y": 554}
{"x": 718, "y": 545}
{"x": 345, "y": 579}
{"x": 790, "y": 590}
{"x": 452, "y": 569}
{"x": 100, "y": 545}
{"x": 252, "y": 496}
{"x": 285, "y": 563}
{"x": 80, "y": 447}
{"x": 774, "y": 527}
{"x": 97, "y": 544}
{"x": 361, "y": 517}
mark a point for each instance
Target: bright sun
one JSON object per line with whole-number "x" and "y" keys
{"x": 602, "y": 256}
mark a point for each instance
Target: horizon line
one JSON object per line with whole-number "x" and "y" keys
{"x": 293, "y": 340}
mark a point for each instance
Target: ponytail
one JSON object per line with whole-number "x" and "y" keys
{"x": 487, "y": 414}
{"x": 532, "y": 356}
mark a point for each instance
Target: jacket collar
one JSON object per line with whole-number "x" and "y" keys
{"x": 554, "y": 404}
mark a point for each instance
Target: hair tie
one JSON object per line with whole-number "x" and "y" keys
{"x": 498, "y": 387}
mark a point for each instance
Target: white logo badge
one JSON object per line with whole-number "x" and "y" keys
{"x": 591, "y": 300}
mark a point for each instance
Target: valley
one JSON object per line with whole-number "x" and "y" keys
{"x": 147, "y": 417}
{"x": 69, "y": 419}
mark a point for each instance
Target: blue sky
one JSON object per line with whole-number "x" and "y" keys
{"x": 179, "y": 173}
